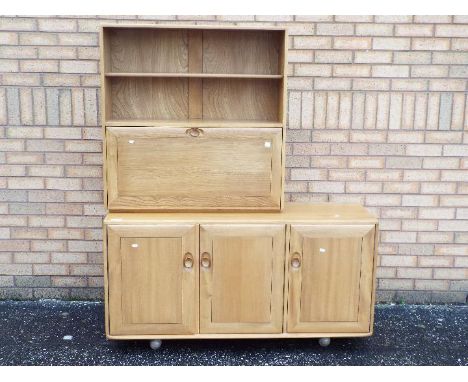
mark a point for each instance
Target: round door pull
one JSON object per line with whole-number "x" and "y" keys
{"x": 194, "y": 132}
{"x": 296, "y": 260}
{"x": 205, "y": 260}
{"x": 188, "y": 260}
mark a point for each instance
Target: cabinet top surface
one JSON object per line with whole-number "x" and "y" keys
{"x": 292, "y": 213}
{"x": 199, "y": 26}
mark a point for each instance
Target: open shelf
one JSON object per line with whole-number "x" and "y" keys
{"x": 196, "y": 75}
{"x": 153, "y": 74}
{"x": 194, "y": 123}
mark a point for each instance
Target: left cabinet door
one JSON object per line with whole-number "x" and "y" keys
{"x": 153, "y": 279}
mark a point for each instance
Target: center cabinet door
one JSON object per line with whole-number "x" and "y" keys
{"x": 330, "y": 272}
{"x": 153, "y": 279}
{"x": 241, "y": 278}
{"x": 157, "y": 168}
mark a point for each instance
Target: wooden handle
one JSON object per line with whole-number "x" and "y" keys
{"x": 194, "y": 132}
{"x": 205, "y": 260}
{"x": 188, "y": 260}
{"x": 296, "y": 260}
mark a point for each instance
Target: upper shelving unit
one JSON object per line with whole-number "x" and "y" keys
{"x": 193, "y": 74}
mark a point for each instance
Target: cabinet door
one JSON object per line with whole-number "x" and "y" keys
{"x": 153, "y": 279}
{"x": 241, "y": 278}
{"x": 152, "y": 168}
{"x": 330, "y": 274}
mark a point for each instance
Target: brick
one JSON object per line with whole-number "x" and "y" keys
{"x": 453, "y": 225}
{"x": 384, "y": 175}
{"x": 447, "y": 85}
{"x": 383, "y": 200}
{"x": 398, "y": 261}
{"x": 45, "y": 170}
{"x": 450, "y": 58}
{"x": 414, "y": 273}
{"x": 84, "y": 246}
{"x": 403, "y": 162}
{"x": 371, "y": 84}
{"x": 370, "y": 57}
{"x": 398, "y": 237}
{"x": 430, "y": 44}
{"x": 367, "y": 136}
{"x": 300, "y": 56}
{"x": 334, "y": 29}
{"x": 38, "y": 39}
{"x": 352, "y": 43}
{"x": 424, "y": 150}
{"x": 312, "y": 42}
{"x": 391, "y": 43}
{"x": 46, "y": 196}
{"x": 87, "y": 294}
{"x": 374, "y": 30}
{"x": 39, "y": 66}
{"x": 330, "y": 136}
{"x": 412, "y": 57}
{"x": 17, "y": 24}
{"x": 332, "y": 84}
{"x": 431, "y": 285}
{"x": 308, "y": 174}
{"x": 366, "y": 162}
{"x": 459, "y": 285}
{"x": 65, "y": 234}
{"x": 435, "y": 237}
{"x": 57, "y": 25}
{"x": 63, "y": 184}
{"x": 393, "y": 19}
{"x": 89, "y": 269}
{"x": 16, "y": 293}
{"x": 68, "y": 281}
{"x": 349, "y": 149}
{"x": 351, "y": 70}
{"x": 56, "y": 52}
{"x": 405, "y": 137}
{"x": 451, "y": 31}
{"x": 50, "y": 269}
{"x": 64, "y": 209}
{"x": 32, "y": 281}
{"x": 314, "y": 70}
{"x": 401, "y": 187}
{"x": 76, "y": 39}
{"x": 346, "y": 175}
{"x": 78, "y": 66}
{"x": 26, "y": 183}
{"x": 15, "y": 269}
{"x": 396, "y": 284}
{"x": 8, "y": 65}
{"x": 6, "y": 281}
{"x": 398, "y": 212}
{"x": 409, "y": 85}
{"x": 327, "y": 187}
{"x": 390, "y": 71}
{"x": 429, "y": 71}
{"x": 455, "y": 150}
{"x": 450, "y": 274}
{"x": 413, "y": 30}
{"x": 333, "y": 56}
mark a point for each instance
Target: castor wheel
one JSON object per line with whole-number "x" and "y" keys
{"x": 324, "y": 341}
{"x": 155, "y": 344}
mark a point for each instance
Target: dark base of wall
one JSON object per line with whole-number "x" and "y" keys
{"x": 97, "y": 294}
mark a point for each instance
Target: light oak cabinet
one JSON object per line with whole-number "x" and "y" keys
{"x": 194, "y": 117}
{"x": 306, "y": 272}
{"x": 198, "y": 242}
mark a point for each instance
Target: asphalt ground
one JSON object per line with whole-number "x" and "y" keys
{"x": 51, "y": 332}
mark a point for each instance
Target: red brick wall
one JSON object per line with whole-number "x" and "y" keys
{"x": 377, "y": 115}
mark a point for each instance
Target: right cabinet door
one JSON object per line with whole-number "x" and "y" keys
{"x": 330, "y": 278}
